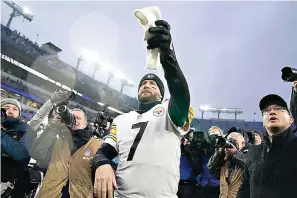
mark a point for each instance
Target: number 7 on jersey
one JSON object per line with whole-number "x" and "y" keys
{"x": 141, "y": 126}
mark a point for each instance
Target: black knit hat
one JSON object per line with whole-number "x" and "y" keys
{"x": 158, "y": 81}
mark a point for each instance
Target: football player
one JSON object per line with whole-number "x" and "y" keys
{"x": 148, "y": 141}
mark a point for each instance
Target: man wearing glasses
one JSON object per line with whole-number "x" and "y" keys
{"x": 271, "y": 167}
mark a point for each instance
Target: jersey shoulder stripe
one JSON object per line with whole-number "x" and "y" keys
{"x": 113, "y": 137}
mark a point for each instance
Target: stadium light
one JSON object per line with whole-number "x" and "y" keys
{"x": 119, "y": 75}
{"x": 106, "y": 67}
{"x": 125, "y": 83}
{"x": 206, "y": 108}
{"x": 110, "y": 76}
{"x": 97, "y": 67}
{"x": 18, "y": 10}
{"x": 234, "y": 111}
{"x": 27, "y": 11}
{"x": 87, "y": 55}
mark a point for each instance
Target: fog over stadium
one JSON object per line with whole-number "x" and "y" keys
{"x": 230, "y": 52}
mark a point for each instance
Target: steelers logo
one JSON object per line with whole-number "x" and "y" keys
{"x": 159, "y": 111}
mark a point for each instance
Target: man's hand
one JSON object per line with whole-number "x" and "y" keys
{"x": 162, "y": 39}
{"x": 104, "y": 182}
{"x": 60, "y": 96}
{"x": 231, "y": 151}
{"x": 295, "y": 86}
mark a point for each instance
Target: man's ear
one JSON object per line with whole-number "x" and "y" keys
{"x": 291, "y": 119}
{"x": 243, "y": 143}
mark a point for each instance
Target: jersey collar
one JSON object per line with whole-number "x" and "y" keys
{"x": 144, "y": 107}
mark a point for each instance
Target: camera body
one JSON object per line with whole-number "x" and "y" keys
{"x": 289, "y": 74}
{"x": 224, "y": 143}
{"x": 103, "y": 117}
{"x": 66, "y": 115}
{"x": 3, "y": 114}
{"x": 64, "y": 112}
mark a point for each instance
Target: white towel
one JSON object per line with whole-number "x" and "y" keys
{"x": 147, "y": 17}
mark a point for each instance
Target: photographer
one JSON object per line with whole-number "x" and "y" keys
{"x": 209, "y": 185}
{"x": 254, "y": 137}
{"x": 102, "y": 122}
{"x": 14, "y": 155}
{"x": 187, "y": 187}
{"x": 228, "y": 163}
{"x": 66, "y": 148}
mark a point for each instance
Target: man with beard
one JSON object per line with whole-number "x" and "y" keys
{"x": 148, "y": 141}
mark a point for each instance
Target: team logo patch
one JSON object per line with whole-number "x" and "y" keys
{"x": 159, "y": 111}
{"x": 87, "y": 152}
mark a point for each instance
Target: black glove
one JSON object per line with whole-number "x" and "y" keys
{"x": 162, "y": 40}
{"x": 60, "y": 97}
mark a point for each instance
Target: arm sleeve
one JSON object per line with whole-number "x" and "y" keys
{"x": 42, "y": 147}
{"x": 215, "y": 163}
{"x": 40, "y": 115}
{"x": 14, "y": 148}
{"x": 293, "y": 106}
{"x": 179, "y": 103}
{"x": 108, "y": 150}
{"x": 239, "y": 159}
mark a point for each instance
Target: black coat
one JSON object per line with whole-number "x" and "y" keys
{"x": 271, "y": 168}
{"x": 293, "y": 106}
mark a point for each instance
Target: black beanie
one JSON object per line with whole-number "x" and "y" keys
{"x": 157, "y": 80}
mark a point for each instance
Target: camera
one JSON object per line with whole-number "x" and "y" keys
{"x": 289, "y": 74}
{"x": 103, "y": 117}
{"x": 224, "y": 143}
{"x": 3, "y": 114}
{"x": 66, "y": 115}
{"x": 100, "y": 122}
{"x": 198, "y": 139}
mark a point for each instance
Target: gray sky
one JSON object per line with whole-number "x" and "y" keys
{"x": 230, "y": 52}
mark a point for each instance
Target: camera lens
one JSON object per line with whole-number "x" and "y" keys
{"x": 61, "y": 109}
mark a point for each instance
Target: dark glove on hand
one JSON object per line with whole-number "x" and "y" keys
{"x": 60, "y": 96}
{"x": 162, "y": 39}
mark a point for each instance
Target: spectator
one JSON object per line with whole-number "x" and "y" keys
{"x": 187, "y": 187}
{"x": 271, "y": 167}
{"x": 209, "y": 185}
{"x": 14, "y": 155}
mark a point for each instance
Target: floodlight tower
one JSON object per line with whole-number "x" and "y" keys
{"x": 204, "y": 109}
{"x": 125, "y": 83}
{"x": 87, "y": 55}
{"x": 234, "y": 111}
{"x": 97, "y": 67}
{"x": 18, "y": 10}
{"x": 110, "y": 76}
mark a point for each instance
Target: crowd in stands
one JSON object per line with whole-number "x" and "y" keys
{"x": 16, "y": 84}
{"x": 18, "y": 40}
